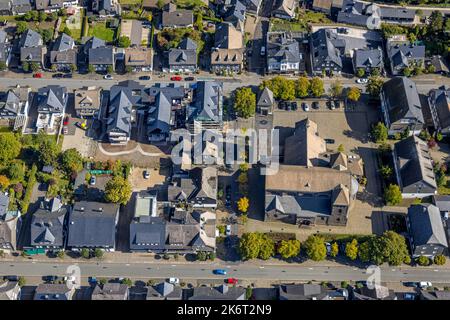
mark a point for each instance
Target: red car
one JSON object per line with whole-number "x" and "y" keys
{"x": 231, "y": 281}
{"x": 176, "y": 78}
{"x": 37, "y": 75}
{"x": 66, "y": 121}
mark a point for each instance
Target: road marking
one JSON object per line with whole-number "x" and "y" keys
{"x": 393, "y": 269}
{"x": 436, "y": 270}
{"x": 261, "y": 267}
{"x": 33, "y": 262}
{"x": 311, "y": 268}
{"x": 174, "y": 265}
{"x": 127, "y": 264}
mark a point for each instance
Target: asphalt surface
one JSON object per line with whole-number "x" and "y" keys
{"x": 239, "y": 271}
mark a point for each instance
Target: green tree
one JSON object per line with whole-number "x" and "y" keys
{"x": 392, "y": 195}
{"x": 334, "y": 249}
{"x": 160, "y": 4}
{"x": 302, "y": 87}
{"x": 3, "y": 66}
{"x": 386, "y": 172}
{"x": 98, "y": 253}
{"x": 73, "y": 67}
{"x": 353, "y": 94}
{"x": 341, "y": 148}
{"x": 423, "y": 261}
{"x": 10, "y": 148}
{"x": 109, "y": 69}
{"x": 315, "y": 248}
{"x": 61, "y": 254}
{"x": 26, "y": 66}
{"x": 47, "y": 152}
{"x": 249, "y": 245}
{"x": 67, "y": 31}
{"x": 124, "y": 42}
{"x": 72, "y": 160}
{"x": 201, "y": 256}
{"x": 128, "y": 69}
{"x": 351, "y": 249}
{"x": 436, "y": 22}
{"x": 380, "y": 132}
{"x": 267, "y": 248}
{"x": 245, "y": 102}
{"x": 21, "y": 281}
{"x": 374, "y": 86}
{"x": 395, "y": 248}
{"x": 15, "y": 171}
{"x": 336, "y": 89}
{"x": 91, "y": 68}
{"x": 282, "y": 88}
{"x": 439, "y": 260}
{"x": 407, "y": 71}
{"x": 360, "y": 72}
{"x": 4, "y": 182}
{"x": 289, "y": 248}
{"x": 375, "y": 72}
{"x": 317, "y": 88}
{"x": 127, "y": 281}
{"x": 34, "y": 66}
{"x": 85, "y": 253}
{"x": 21, "y": 27}
{"x": 118, "y": 190}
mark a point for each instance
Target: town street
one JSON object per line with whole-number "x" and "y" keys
{"x": 245, "y": 271}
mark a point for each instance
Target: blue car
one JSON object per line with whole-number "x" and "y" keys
{"x": 220, "y": 271}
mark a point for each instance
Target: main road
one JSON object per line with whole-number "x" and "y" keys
{"x": 245, "y": 271}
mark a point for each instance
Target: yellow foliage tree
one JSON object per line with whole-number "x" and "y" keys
{"x": 243, "y": 204}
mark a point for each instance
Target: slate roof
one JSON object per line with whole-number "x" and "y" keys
{"x": 426, "y": 225}
{"x": 414, "y": 163}
{"x": 32, "y": 54}
{"x": 92, "y": 224}
{"x": 50, "y": 291}
{"x": 9, "y": 289}
{"x": 322, "y": 43}
{"x": 164, "y": 291}
{"x": 14, "y": 100}
{"x": 222, "y": 292}
{"x": 439, "y": 101}
{"x": 266, "y": 98}
{"x": 201, "y": 184}
{"x": 47, "y": 224}
{"x": 401, "y": 54}
{"x": 282, "y": 47}
{"x": 64, "y": 57}
{"x": 63, "y": 43}
{"x": 101, "y": 55}
{"x": 110, "y": 291}
{"x": 285, "y": 6}
{"x": 30, "y": 38}
{"x": 307, "y": 205}
{"x": 147, "y": 233}
{"x": 402, "y": 99}
{"x": 302, "y": 292}
{"x": 178, "y": 18}
{"x": 368, "y": 58}
{"x": 52, "y": 99}
{"x": 206, "y": 102}
{"x": 186, "y": 54}
{"x": 227, "y": 37}
{"x": 121, "y": 103}
{"x": 442, "y": 202}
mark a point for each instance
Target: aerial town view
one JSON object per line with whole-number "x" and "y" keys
{"x": 253, "y": 150}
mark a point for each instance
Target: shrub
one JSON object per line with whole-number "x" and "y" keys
{"x": 439, "y": 260}
{"x": 423, "y": 261}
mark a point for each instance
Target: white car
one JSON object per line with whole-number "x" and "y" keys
{"x": 328, "y": 246}
{"x": 174, "y": 280}
{"x": 108, "y": 77}
{"x": 146, "y": 174}
{"x": 425, "y": 284}
{"x": 305, "y": 107}
{"x": 228, "y": 230}
{"x": 362, "y": 81}
{"x": 69, "y": 279}
{"x": 263, "y": 51}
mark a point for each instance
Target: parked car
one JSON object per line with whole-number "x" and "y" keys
{"x": 176, "y": 78}
{"x": 329, "y": 141}
{"x": 228, "y": 230}
{"x": 57, "y": 75}
{"x": 305, "y": 107}
{"x": 11, "y": 278}
{"x": 220, "y": 271}
{"x": 66, "y": 121}
{"x": 294, "y": 105}
{"x": 315, "y": 105}
{"x": 263, "y": 51}
{"x": 145, "y": 78}
{"x": 337, "y": 104}
{"x": 92, "y": 280}
{"x": 108, "y": 77}
{"x": 362, "y": 81}
{"x": 37, "y": 75}
{"x": 425, "y": 284}
{"x": 231, "y": 281}
{"x": 330, "y": 105}
{"x": 281, "y": 105}
{"x": 68, "y": 75}
{"x": 69, "y": 278}
{"x": 174, "y": 280}
{"x": 93, "y": 181}
{"x": 411, "y": 284}
{"x": 50, "y": 278}
{"x": 189, "y": 79}
{"x": 328, "y": 246}
{"x": 146, "y": 174}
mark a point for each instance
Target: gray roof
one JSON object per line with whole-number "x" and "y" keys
{"x": 442, "y": 202}
{"x": 401, "y": 54}
{"x": 101, "y": 55}
{"x": 368, "y": 58}
{"x": 302, "y": 292}
{"x": 92, "y": 43}
{"x": 395, "y": 13}
{"x": 188, "y": 44}
{"x": 182, "y": 57}
{"x": 402, "y": 100}
{"x": 9, "y": 290}
{"x": 206, "y": 102}
{"x": 50, "y": 291}
{"x": 282, "y": 47}
{"x": 4, "y": 203}
{"x": 63, "y": 43}
{"x": 47, "y": 224}
{"x": 426, "y": 225}
{"x": 3, "y": 36}
{"x": 266, "y": 98}
{"x": 306, "y": 205}
{"x": 92, "y": 224}
{"x": 164, "y": 291}
{"x": 52, "y": 99}
{"x": 414, "y": 162}
{"x": 32, "y": 54}
{"x": 235, "y": 12}
{"x": 30, "y": 38}
{"x": 200, "y": 186}
{"x": 160, "y": 114}
{"x": 222, "y": 292}
{"x": 177, "y": 18}
{"x": 147, "y": 233}
{"x": 322, "y": 43}
{"x": 110, "y": 291}
{"x": 440, "y": 103}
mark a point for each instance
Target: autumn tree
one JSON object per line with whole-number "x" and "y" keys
{"x": 245, "y": 102}
{"x": 315, "y": 248}
{"x": 118, "y": 190}
{"x": 243, "y": 204}
{"x": 302, "y": 87}
{"x": 289, "y": 248}
{"x": 317, "y": 88}
{"x": 351, "y": 249}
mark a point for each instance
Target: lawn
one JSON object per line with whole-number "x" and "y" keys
{"x": 7, "y": 18}
{"x": 445, "y": 189}
{"x": 128, "y": 2}
{"x": 283, "y": 25}
{"x": 100, "y": 31}
{"x": 190, "y": 4}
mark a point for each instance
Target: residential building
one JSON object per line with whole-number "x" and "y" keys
{"x": 63, "y": 56}
{"x": 284, "y": 9}
{"x": 14, "y": 106}
{"x": 54, "y": 291}
{"x": 184, "y": 58}
{"x": 92, "y": 225}
{"x": 135, "y": 31}
{"x": 253, "y": 6}
{"x": 233, "y": 11}
{"x": 48, "y": 227}
{"x": 322, "y": 6}
{"x": 110, "y": 291}
{"x": 51, "y": 102}
{"x": 222, "y": 292}
{"x": 440, "y": 64}
{"x": 434, "y": 295}
{"x": 443, "y": 203}
{"x": 32, "y": 48}
{"x": 325, "y": 57}
{"x": 5, "y": 48}
{"x": 88, "y": 101}
{"x": 49, "y": 5}
{"x": 307, "y": 196}
{"x": 439, "y": 103}
{"x": 402, "y": 54}
{"x": 165, "y": 110}
{"x": 176, "y": 18}
{"x": 401, "y": 106}
{"x": 378, "y": 292}
{"x": 265, "y": 102}
{"x": 426, "y": 231}
{"x": 139, "y": 59}
{"x": 9, "y": 290}
{"x": 309, "y": 292}
{"x": 106, "y": 8}
{"x": 414, "y": 168}
{"x": 368, "y": 59}
{"x": 198, "y": 188}
{"x": 227, "y": 55}
{"x": 205, "y": 112}
{"x": 5, "y": 8}
{"x": 10, "y": 223}
{"x": 283, "y": 53}
{"x": 124, "y": 99}
{"x": 102, "y": 58}
{"x": 88, "y": 43}
{"x": 164, "y": 291}
{"x": 183, "y": 233}
{"x": 20, "y": 7}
